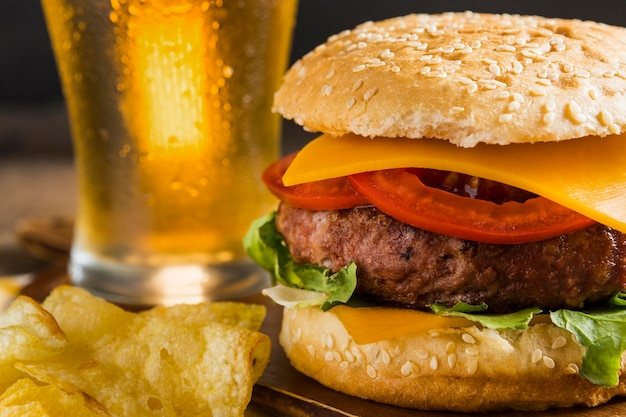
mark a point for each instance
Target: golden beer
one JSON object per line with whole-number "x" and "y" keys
{"x": 169, "y": 104}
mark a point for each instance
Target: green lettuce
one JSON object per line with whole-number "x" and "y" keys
{"x": 516, "y": 320}
{"x": 268, "y": 249}
{"x": 602, "y": 331}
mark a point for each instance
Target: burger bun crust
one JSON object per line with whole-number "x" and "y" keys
{"x": 456, "y": 369}
{"x": 467, "y": 78}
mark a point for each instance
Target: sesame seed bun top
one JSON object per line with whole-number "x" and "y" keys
{"x": 464, "y": 77}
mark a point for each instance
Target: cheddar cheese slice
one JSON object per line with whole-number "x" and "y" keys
{"x": 587, "y": 175}
{"x": 372, "y": 324}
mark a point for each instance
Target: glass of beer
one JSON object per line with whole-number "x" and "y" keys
{"x": 169, "y": 103}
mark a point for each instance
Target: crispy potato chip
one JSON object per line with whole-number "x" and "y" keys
{"x": 249, "y": 316}
{"x": 26, "y": 399}
{"x": 151, "y": 364}
{"x": 27, "y": 333}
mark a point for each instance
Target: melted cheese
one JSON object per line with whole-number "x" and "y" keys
{"x": 371, "y": 324}
{"x": 586, "y": 175}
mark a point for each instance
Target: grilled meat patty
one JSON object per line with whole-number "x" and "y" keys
{"x": 401, "y": 265}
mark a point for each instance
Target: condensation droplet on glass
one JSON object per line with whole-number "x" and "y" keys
{"x": 203, "y": 181}
{"x": 104, "y": 134}
{"x": 176, "y": 185}
{"x": 215, "y": 25}
{"x": 67, "y": 45}
{"x": 251, "y": 51}
{"x": 172, "y": 140}
{"x": 133, "y": 10}
{"x": 113, "y": 17}
{"x": 115, "y": 4}
{"x": 227, "y": 107}
{"x": 219, "y": 3}
{"x": 205, "y": 6}
{"x": 226, "y": 162}
{"x": 192, "y": 191}
{"x": 78, "y": 77}
{"x": 228, "y": 71}
{"x": 81, "y": 26}
{"x": 247, "y": 99}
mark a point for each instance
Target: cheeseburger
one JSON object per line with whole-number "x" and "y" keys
{"x": 455, "y": 238}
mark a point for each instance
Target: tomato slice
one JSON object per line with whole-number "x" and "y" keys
{"x": 330, "y": 194}
{"x": 402, "y": 195}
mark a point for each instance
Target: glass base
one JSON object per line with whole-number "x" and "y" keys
{"x": 148, "y": 285}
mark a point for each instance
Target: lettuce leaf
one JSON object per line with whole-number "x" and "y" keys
{"x": 267, "y": 248}
{"x": 516, "y": 320}
{"x": 602, "y": 332}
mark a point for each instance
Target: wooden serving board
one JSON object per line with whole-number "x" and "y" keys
{"x": 283, "y": 391}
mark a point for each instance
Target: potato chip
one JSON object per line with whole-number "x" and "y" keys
{"x": 152, "y": 364}
{"x": 27, "y": 333}
{"x": 26, "y": 399}
{"x": 249, "y": 316}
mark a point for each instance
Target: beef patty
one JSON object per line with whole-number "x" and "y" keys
{"x": 398, "y": 264}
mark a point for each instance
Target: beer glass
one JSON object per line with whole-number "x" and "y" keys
{"x": 169, "y": 103}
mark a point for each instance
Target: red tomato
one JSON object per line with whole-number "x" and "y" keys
{"x": 331, "y": 194}
{"x": 402, "y": 195}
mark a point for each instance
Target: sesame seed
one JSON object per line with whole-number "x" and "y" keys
{"x": 426, "y": 57}
{"x": 438, "y": 74}
{"x": 571, "y": 369}
{"x": 311, "y": 350}
{"x": 357, "y": 84}
{"x": 537, "y": 92}
{"x": 495, "y": 69}
{"x": 330, "y": 74}
{"x": 434, "y": 363}
{"x": 517, "y": 67}
{"x": 459, "y": 45}
{"x": 454, "y": 111}
{"x": 450, "y": 347}
{"x": 361, "y": 45}
{"x": 506, "y": 48}
{"x": 387, "y": 54}
{"x": 503, "y": 95}
{"x": 349, "y": 356}
{"x": 468, "y": 338}
{"x": 549, "y": 362}
{"x": 609, "y": 74}
{"x": 567, "y": 67}
{"x": 529, "y": 54}
{"x": 358, "y": 68}
{"x": 514, "y": 105}
{"x": 490, "y": 61}
{"x": 329, "y": 356}
{"x": 452, "y": 358}
{"x": 385, "y": 357}
{"x": 472, "y": 351}
{"x": 560, "y": 47}
{"x": 505, "y": 118}
{"x": 536, "y": 356}
{"x": 472, "y": 367}
{"x": 370, "y": 93}
{"x": 395, "y": 68}
{"x": 544, "y": 82}
{"x": 614, "y": 129}
{"x": 371, "y": 372}
{"x": 550, "y": 105}
{"x": 330, "y": 341}
{"x": 559, "y": 342}
{"x": 464, "y": 80}
{"x": 350, "y": 103}
{"x": 549, "y": 117}
{"x": 593, "y": 94}
{"x": 422, "y": 354}
{"x": 344, "y": 365}
{"x": 408, "y": 368}
{"x": 425, "y": 70}
{"x": 327, "y": 90}
{"x": 472, "y": 87}
{"x": 297, "y": 334}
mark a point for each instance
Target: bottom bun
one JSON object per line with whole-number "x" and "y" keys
{"x": 457, "y": 369}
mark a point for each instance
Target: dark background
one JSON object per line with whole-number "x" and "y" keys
{"x": 32, "y": 118}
